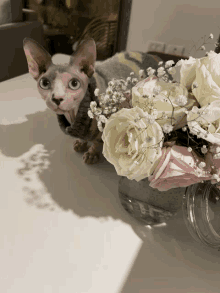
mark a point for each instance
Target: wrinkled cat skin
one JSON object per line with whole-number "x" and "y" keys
{"x": 64, "y": 86}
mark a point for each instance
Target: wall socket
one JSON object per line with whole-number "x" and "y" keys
{"x": 156, "y": 46}
{"x": 174, "y": 50}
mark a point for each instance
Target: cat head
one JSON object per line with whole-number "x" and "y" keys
{"x": 62, "y": 86}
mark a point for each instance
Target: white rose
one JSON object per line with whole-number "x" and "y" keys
{"x": 185, "y": 72}
{"x": 161, "y": 103}
{"x": 207, "y": 91}
{"x": 208, "y": 79}
{"x": 125, "y": 145}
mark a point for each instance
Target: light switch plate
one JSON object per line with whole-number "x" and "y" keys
{"x": 156, "y": 46}
{"x": 174, "y": 50}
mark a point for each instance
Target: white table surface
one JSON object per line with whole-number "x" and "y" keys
{"x": 62, "y": 228}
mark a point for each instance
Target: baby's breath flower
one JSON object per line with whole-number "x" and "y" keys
{"x": 202, "y": 48}
{"x": 93, "y": 104}
{"x": 181, "y": 100}
{"x": 100, "y": 126}
{"x": 96, "y": 92}
{"x": 103, "y": 119}
{"x": 106, "y": 98}
{"x": 169, "y": 63}
{"x": 195, "y": 110}
{"x": 90, "y": 114}
{"x": 109, "y": 91}
{"x": 160, "y": 63}
{"x": 160, "y": 73}
{"x": 165, "y": 93}
{"x": 172, "y": 70}
{"x": 111, "y": 83}
{"x": 211, "y": 36}
{"x": 154, "y": 113}
{"x": 128, "y": 79}
{"x": 200, "y": 135}
{"x": 215, "y": 177}
{"x": 204, "y": 150}
{"x": 214, "y": 149}
{"x": 141, "y": 73}
{"x": 157, "y": 89}
{"x": 114, "y": 109}
{"x": 184, "y": 128}
{"x": 149, "y": 118}
{"x": 189, "y": 149}
{"x": 161, "y": 69}
{"x": 114, "y": 99}
{"x": 216, "y": 156}
{"x": 165, "y": 77}
{"x": 132, "y": 73}
{"x": 122, "y": 99}
{"x": 98, "y": 111}
{"x": 117, "y": 94}
{"x": 151, "y": 72}
{"x": 195, "y": 84}
{"x": 167, "y": 128}
{"x": 202, "y": 164}
{"x": 134, "y": 80}
{"x": 106, "y": 111}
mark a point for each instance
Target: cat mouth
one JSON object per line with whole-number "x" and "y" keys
{"x": 70, "y": 115}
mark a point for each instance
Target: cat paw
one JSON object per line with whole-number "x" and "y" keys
{"x": 80, "y": 146}
{"x": 69, "y": 130}
{"x": 91, "y": 158}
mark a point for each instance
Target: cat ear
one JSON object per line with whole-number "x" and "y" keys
{"x": 38, "y": 58}
{"x": 85, "y": 57}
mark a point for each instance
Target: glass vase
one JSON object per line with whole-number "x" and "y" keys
{"x": 201, "y": 213}
{"x": 200, "y": 204}
{"x": 146, "y": 204}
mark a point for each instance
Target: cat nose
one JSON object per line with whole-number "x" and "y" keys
{"x": 57, "y": 101}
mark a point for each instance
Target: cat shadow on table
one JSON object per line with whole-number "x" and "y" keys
{"x": 65, "y": 177}
{"x": 67, "y": 174}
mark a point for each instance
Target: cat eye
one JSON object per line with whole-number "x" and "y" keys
{"x": 44, "y": 83}
{"x": 74, "y": 84}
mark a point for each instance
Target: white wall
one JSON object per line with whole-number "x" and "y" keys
{"x": 178, "y": 22}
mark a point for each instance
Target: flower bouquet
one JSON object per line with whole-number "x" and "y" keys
{"x": 162, "y": 134}
{"x": 164, "y": 126}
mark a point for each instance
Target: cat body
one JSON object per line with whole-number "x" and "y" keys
{"x": 68, "y": 89}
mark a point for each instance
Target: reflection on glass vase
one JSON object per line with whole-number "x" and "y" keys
{"x": 146, "y": 204}
{"x": 200, "y": 204}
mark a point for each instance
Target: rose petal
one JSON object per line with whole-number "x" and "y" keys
{"x": 207, "y": 90}
{"x": 176, "y": 170}
{"x": 185, "y": 72}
